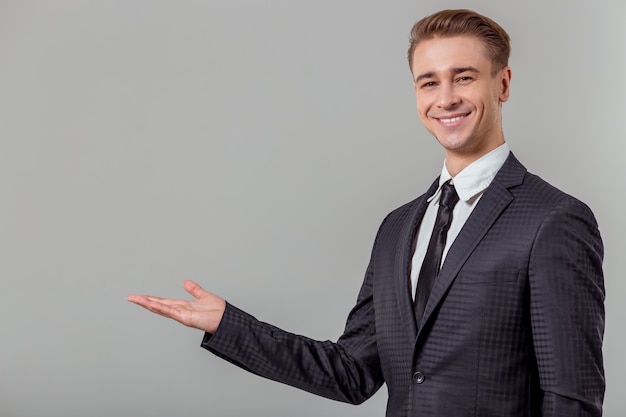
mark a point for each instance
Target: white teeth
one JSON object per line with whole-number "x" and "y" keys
{"x": 454, "y": 119}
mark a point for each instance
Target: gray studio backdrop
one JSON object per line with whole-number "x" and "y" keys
{"x": 253, "y": 146}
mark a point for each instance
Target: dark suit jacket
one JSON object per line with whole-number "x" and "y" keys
{"x": 513, "y": 326}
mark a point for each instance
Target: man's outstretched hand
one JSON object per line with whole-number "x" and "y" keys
{"x": 204, "y": 313}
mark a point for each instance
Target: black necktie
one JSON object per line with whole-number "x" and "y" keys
{"x": 432, "y": 260}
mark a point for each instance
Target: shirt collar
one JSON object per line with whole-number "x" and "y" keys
{"x": 476, "y": 177}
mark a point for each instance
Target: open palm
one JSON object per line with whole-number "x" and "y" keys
{"x": 204, "y": 313}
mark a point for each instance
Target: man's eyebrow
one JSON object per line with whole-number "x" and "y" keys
{"x": 425, "y": 75}
{"x": 464, "y": 69}
{"x": 458, "y": 70}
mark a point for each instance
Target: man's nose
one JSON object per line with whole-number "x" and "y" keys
{"x": 448, "y": 96}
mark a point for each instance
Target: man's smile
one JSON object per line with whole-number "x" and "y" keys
{"x": 452, "y": 120}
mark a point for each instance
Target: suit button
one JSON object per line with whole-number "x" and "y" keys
{"x": 419, "y": 377}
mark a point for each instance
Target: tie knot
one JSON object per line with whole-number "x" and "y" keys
{"x": 449, "y": 197}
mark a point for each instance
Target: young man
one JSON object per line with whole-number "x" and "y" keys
{"x": 483, "y": 297}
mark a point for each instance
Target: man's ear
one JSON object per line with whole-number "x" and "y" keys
{"x": 505, "y": 83}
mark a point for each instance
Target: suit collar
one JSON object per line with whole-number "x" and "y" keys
{"x": 476, "y": 177}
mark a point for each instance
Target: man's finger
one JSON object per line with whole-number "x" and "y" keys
{"x": 143, "y": 299}
{"x": 137, "y": 299}
{"x": 167, "y": 301}
{"x": 162, "y": 309}
{"x": 194, "y": 289}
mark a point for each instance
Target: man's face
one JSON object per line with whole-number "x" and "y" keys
{"x": 458, "y": 98}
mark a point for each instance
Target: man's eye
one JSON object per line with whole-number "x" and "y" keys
{"x": 428, "y": 84}
{"x": 463, "y": 79}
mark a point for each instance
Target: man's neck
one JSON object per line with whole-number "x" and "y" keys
{"x": 457, "y": 161}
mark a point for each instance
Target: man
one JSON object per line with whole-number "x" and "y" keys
{"x": 483, "y": 297}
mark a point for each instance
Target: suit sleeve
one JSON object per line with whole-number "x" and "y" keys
{"x": 567, "y": 311}
{"x": 348, "y": 370}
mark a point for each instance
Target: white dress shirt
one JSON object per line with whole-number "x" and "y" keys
{"x": 470, "y": 184}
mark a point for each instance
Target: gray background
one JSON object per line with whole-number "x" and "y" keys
{"x": 253, "y": 146}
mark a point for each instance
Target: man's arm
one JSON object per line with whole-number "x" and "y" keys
{"x": 567, "y": 311}
{"x": 348, "y": 370}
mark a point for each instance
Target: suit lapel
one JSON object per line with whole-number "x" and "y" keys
{"x": 492, "y": 203}
{"x": 404, "y": 254}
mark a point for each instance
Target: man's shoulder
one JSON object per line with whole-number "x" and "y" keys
{"x": 536, "y": 188}
{"x": 540, "y": 199}
{"x": 527, "y": 186}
